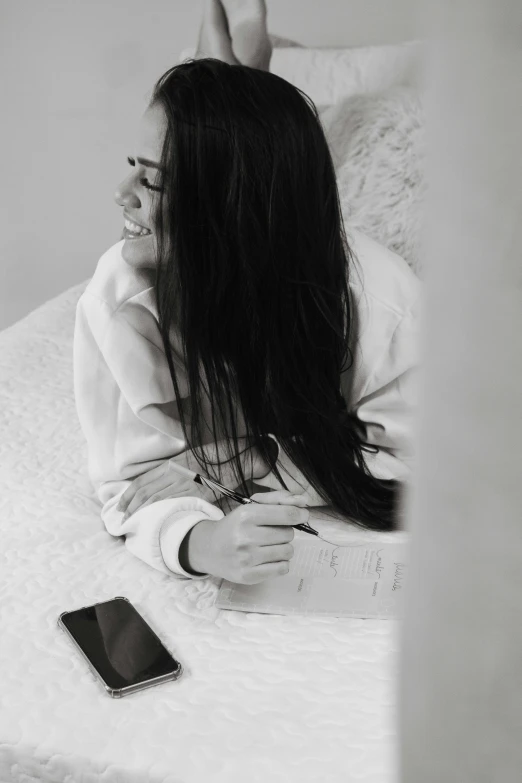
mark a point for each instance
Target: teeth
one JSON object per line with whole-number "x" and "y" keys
{"x": 136, "y": 229}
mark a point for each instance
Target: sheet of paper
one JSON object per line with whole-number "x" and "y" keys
{"x": 364, "y": 580}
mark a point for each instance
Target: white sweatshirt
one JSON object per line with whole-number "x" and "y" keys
{"x": 126, "y": 403}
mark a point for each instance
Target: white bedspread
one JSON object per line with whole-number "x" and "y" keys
{"x": 263, "y": 698}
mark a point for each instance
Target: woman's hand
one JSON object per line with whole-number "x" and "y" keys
{"x": 247, "y": 546}
{"x": 164, "y": 482}
{"x": 157, "y": 484}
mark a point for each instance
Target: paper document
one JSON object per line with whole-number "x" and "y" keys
{"x": 363, "y": 580}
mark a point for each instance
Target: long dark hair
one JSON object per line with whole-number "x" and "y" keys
{"x": 253, "y": 269}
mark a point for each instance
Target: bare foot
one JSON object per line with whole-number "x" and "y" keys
{"x": 214, "y": 37}
{"x": 247, "y": 25}
{"x": 277, "y": 41}
{"x": 235, "y": 31}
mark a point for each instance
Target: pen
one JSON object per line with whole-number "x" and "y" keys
{"x": 214, "y": 485}
{"x": 243, "y": 500}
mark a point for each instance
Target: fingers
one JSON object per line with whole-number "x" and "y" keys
{"x": 267, "y": 571}
{"x": 282, "y": 496}
{"x": 163, "y": 494}
{"x": 139, "y": 482}
{"x": 169, "y": 494}
{"x": 264, "y": 514}
{"x": 268, "y": 536}
{"x": 175, "y": 466}
{"x": 274, "y": 554}
{"x": 153, "y": 491}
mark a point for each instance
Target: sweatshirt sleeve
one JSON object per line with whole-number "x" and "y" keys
{"x": 124, "y": 405}
{"x": 386, "y": 406}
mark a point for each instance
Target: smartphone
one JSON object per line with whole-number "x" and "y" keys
{"x": 120, "y": 646}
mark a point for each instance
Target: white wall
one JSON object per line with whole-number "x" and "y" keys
{"x": 76, "y": 76}
{"x": 461, "y": 674}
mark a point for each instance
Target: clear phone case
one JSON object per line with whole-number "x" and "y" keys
{"x": 118, "y": 693}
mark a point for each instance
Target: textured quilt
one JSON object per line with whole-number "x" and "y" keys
{"x": 263, "y": 698}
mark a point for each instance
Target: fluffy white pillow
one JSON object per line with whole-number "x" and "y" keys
{"x": 378, "y": 144}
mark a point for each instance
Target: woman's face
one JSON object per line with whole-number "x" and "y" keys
{"x": 137, "y": 193}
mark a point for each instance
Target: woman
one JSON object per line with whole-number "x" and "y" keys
{"x": 236, "y": 309}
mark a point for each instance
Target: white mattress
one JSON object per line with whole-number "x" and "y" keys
{"x": 263, "y": 698}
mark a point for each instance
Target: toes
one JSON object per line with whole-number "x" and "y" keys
{"x": 278, "y": 42}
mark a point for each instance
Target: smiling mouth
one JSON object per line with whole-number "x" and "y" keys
{"x": 134, "y": 231}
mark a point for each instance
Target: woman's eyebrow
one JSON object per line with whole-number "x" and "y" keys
{"x": 148, "y": 163}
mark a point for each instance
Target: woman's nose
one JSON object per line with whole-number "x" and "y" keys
{"x": 125, "y": 196}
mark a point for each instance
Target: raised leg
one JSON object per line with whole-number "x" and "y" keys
{"x": 214, "y": 37}
{"x": 235, "y": 31}
{"x": 248, "y": 32}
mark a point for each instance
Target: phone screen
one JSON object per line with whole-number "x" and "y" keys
{"x": 120, "y": 645}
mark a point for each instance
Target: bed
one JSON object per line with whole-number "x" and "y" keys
{"x": 264, "y": 697}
